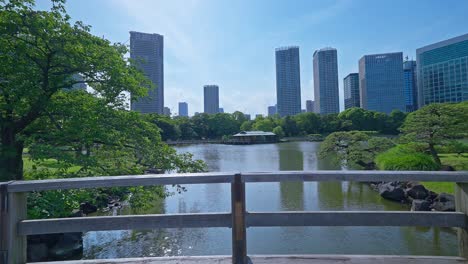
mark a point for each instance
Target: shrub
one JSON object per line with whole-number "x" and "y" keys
{"x": 404, "y": 158}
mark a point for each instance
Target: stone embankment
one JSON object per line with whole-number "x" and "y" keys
{"x": 415, "y": 194}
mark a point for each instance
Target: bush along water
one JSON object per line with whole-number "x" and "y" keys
{"x": 404, "y": 157}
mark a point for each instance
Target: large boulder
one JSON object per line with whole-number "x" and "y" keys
{"x": 392, "y": 191}
{"x": 70, "y": 246}
{"x": 444, "y": 202}
{"x": 417, "y": 191}
{"x": 420, "y": 205}
{"x": 87, "y": 208}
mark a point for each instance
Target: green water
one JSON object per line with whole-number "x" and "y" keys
{"x": 311, "y": 196}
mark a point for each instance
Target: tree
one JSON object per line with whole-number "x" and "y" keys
{"x": 279, "y": 131}
{"x": 289, "y": 126}
{"x": 168, "y": 129}
{"x": 308, "y": 123}
{"x": 41, "y": 53}
{"x": 246, "y": 126}
{"x": 354, "y": 148}
{"x": 263, "y": 124}
{"x": 436, "y": 124}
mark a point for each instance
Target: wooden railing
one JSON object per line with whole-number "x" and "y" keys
{"x": 15, "y": 227}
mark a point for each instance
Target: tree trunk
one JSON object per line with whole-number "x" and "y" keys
{"x": 434, "y": 154}
{"x": 11, "y": 156}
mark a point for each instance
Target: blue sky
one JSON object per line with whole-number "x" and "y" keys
{"x": 232, "y": 43}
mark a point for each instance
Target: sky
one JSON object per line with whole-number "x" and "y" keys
{"x": 232, "y": 43}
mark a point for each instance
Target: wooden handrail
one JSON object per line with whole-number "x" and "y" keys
{"x": 15, "y": 227}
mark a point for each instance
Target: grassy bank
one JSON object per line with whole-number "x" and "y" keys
{"x": 459, "y": 162}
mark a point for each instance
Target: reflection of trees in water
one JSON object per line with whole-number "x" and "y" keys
{"x": 330, "y": 195}
{"x": 143, "y": 243}
{"x": 420, "y": 240}
{"x": 290, "y": 159}
{"x": 292, "y": 196}
{"x": 124, "y": 244}
{"x": 212, "y": 158}
{"x": 292, "y": 193}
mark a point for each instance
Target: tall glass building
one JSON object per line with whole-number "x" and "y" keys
{"x": 443, "y": 71}
{"x": 411, "y": 88}
{"x": 183, "y": 109}
{"x": 272, "y": 110}
{"x": 310, "y": 106}
{"x": 211, "y": 99}
{"x": 147, "y": 51}
{"x": 381, "y": 82}
{"x": 326, "y": 92}
{"x": 351, "y": 91}
{"x": 288, "y": 81}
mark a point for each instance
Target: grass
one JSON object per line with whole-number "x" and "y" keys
{"x": 459, "y": 162}
{"x": 48, "y": 164}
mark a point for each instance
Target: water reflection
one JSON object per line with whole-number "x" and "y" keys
{"x": 291, "y": 158}
{"x": 310, "y": 196}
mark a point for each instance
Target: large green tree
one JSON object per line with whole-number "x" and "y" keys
{"x": 437, "y": 124}
{"x": 42, "y": 53}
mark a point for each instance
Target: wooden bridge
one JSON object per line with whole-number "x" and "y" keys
{"x": 15, "y": 227}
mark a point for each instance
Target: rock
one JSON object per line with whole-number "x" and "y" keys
{"x": 77, "y": 213}
{"x": 420, "y": 205}
{"x": 37, "y": 252}
{"x": 418, "y": 192}
{"x": 154, "y": 171}
{"x": 54, "y": 247}
{"x": 432, "y": 196}
{"x": 447, "y": 168}
{"x": 70, "y": 246}
{"x": 444, "y": 197}
{"x": 88, "y": 208}
{"x": 444, "y": 202}
{"x": 392, "y": 191}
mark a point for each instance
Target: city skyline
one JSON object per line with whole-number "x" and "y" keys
{"x": 239, "y": 56}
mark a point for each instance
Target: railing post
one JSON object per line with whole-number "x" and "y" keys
{"x": 461, "y": 203}
{"x": 239, "y": 232}
{"x": 13, "y": 210}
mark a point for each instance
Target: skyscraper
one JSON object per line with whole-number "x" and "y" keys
{"x": 310, "y": 105}
{"x": 211, "y": 99}
{"x": 381, "y": 84}
{"x": 147, "y": 51}
{"x": 183, "y": 109}
{"x": 326, "y": 81}
{"x": 443, "y": 71}
{"x": 272, "y": 110}
{"x": 221, "y": 110}
{"x": 411, "y": 88}
{"x": 288, "y": 81}
{"x": 167, "y": 111}
{"x": 351, "y": 91}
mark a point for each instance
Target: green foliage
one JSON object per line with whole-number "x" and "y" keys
{"x": 43, "y": 53}
{"x": 354, "y": 148}
{"x": 263, "y": 125}
{"x": 308, "y": 123}
{"x": 246, "y": 126}
{"x": 72, "y": 133}
{"x": 404, "y": 158}
{"x": 436, "y": 124}
{"x": 454, "y": 146}
{"x": 279, "y": 131}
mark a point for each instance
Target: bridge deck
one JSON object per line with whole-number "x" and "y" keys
{"x": 284, "y": 259}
